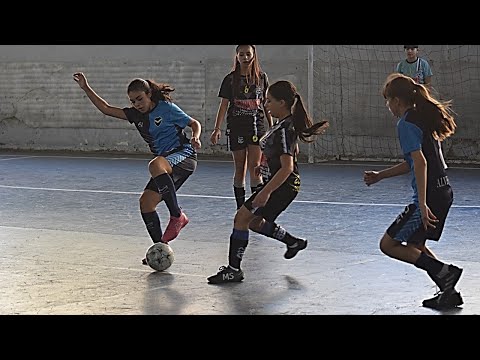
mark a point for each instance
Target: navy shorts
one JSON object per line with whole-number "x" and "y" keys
{"x": 408, "y": 226}
{"x": 183, "y": 163}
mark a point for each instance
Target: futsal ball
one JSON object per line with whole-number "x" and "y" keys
{"x": 160, "y": 256}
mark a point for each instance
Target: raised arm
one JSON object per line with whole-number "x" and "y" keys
{"x": 96, "y": 100}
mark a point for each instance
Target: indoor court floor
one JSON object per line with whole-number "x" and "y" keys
{"x": 72, "y": 240}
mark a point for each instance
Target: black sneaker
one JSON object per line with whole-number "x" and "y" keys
{"x": 225, "y": 275}
{"x": 447, "y": 282}
{"x": 292, "y": 251}
{"x": 444, "y": 301}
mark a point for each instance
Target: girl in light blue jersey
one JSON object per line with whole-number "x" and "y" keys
{"x": 161, "y": 123}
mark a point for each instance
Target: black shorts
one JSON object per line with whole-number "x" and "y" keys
{"x": 278, "y": 202}
{"x": 183, "y": 165}
{"x": 238, "y": 139}
{"x": 408, "y": 226}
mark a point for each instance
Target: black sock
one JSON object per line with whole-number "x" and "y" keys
{"x": 239, "y": 196}
{"x": 152, "y": 222}
{"x": 238, "y": 244}
{"x": 166, "y": 188}
{"x": 431, "y": 265}
{"x": 276, "y": 232}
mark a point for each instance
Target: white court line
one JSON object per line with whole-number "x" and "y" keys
{"x": 18, "y": 158}
{"x": 218, "y": 197}
{"x": 324, "y": 163}
{"x": 21, "y": 157}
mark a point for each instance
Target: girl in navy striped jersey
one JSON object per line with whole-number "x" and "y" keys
{"x": 280, "y": 176}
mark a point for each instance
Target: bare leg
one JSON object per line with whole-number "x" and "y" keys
{"x": 253, "y": 160}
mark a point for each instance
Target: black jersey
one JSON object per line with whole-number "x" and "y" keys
{"x": 245, "y": 101}
{"x": 280, "y": 139}
{"x": 413, "y": 136}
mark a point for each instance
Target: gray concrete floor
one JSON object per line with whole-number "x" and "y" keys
{"x": 71, "y": 241}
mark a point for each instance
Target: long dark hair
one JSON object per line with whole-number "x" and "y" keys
{"x": 438, "y": 116}
{"x": 303, "y": 124}
{"x": 159, "y": 91}
{"x": 254, "y": 76}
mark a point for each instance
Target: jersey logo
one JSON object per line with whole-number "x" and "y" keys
{"x": 158, "y": 120}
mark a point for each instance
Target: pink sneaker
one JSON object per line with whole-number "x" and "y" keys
{"x": 174, "y": 226}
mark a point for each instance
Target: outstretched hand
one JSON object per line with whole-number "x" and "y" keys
{"x": 371, "y": 177}
{"x": 81, "y": 80}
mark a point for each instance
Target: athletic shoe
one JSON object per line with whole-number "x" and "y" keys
{"x": 226, "y": 274}
{"x": 292, "y": 250}
{"x": 444, "y": 301}
{"x": 174, "y": 226}
{"x": 446, "y": 281}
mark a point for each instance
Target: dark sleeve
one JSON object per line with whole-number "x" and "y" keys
{"x": 288, "y": 139}
{"x": 291, "y": 141}
{"x": 132, "y": 114}
{"x": 226, "y": 88}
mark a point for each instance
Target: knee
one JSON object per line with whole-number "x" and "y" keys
{"x": 383, "y": 248}
{"x": 157, "y": 167}
{"x": 386, "y": 244}
{"x": 256, "y": 224}
{"x": 152, "y": 166}
{"x": 242, "y": 218}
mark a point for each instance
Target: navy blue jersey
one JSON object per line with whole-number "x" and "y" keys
{"x": 162, "y": 128}
{"x": 414, "y": 136}
{"x": 280, "y": 139}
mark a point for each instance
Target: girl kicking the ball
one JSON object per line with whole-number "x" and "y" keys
{"x": 161, "y": 124}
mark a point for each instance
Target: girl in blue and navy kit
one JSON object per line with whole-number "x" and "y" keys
{"x": 423, "y": 124}
{"x": 161, "y": 123}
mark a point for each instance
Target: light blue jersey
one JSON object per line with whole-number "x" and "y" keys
{"x": 162, "y": 128}
{"x": 418, "y": 70}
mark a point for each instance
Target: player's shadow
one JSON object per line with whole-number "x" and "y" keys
{"x": 160, "y": 297}
{"x": 257, "y": 298}
{"x": 455, "y": 310}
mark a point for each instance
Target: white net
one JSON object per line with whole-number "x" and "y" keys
{"x": 347, "y": 82}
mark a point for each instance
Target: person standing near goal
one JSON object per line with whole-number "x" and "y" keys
{"x": 243, "y": 95}
{"x": 281, "y": 180}
{"x": 423, "y": 124}
{"x": 161, "y": 124}
{"x": 416, "y": 67}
